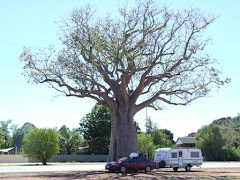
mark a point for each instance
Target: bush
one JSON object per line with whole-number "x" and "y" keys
{"x": 230, "y": 153}
{"x": 41, "y": 144}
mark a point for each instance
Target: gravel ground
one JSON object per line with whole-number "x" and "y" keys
{"x": 196, "y": 173}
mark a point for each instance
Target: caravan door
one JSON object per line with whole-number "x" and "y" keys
{"x": 180, "y": 158}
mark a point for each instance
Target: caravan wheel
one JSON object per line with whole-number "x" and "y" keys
{"x": 161, "y": 164}
{"x": 175, "y": 169}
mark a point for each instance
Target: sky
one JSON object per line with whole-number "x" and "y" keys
{"x": 33, "y": 24}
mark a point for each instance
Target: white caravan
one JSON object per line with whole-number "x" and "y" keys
{"x": 178, "y": 158}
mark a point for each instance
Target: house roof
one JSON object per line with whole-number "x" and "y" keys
{"x": 186, "y": 140}
{"x": 6, "y": 150}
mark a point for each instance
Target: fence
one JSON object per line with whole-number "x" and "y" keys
{"x": 57, "y": 158}
{"x": 13, "y": 159}
{"x": 79, "y": 158}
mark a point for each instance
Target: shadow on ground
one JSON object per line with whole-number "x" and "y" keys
{"x": 154, "y": 175}
{"x": 209, "y": 174}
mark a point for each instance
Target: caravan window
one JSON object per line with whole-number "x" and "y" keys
{"x": 174, "y": 154}
{"x": 194, "y": 154}
{"x": 180, "y": 153}
{"x": 162, "y": 154}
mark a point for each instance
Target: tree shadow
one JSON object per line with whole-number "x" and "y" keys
{"x": 153, "y": 175}
{"x": 99, "y": 175}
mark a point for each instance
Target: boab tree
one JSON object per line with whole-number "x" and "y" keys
{"x": 147, "y": 56}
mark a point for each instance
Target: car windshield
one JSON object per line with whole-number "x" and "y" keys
{"x": 123, "y": 159}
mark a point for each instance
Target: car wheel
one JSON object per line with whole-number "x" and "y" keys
{"x": 111, "y": 171}
{"x": 148, "y": 169}
{"x": 161, "y": 164}
{"x": 123, "y": 169}
{"x": 175, "y": 169}
{"x": 188, "y": 168}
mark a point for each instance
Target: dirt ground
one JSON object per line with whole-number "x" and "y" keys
{"x": 198, "y": 173}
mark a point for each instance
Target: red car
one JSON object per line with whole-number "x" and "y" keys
{"x": 131, "y": 163}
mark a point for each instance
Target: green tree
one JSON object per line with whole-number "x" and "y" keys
{"x": 138, "y": 129}
{"x": 169, "y": 134}
{"x": 231, "y": 135}
{"x": 151, "y": 126}
{"x": 5, "y": 138}
{"x": 18, "y": 135}
{"x": 231, "y": 153}
{"x": 211, "y": 142}
{"x": 96, "y": 129}
{"x": 147, "y": 56}
{"x": 41, "y": 144}
{"x": 146, "y": 146}
{"x": 70, "y": 141}
{"x": 1, "y": 140}
{"x": 160, "y": 139}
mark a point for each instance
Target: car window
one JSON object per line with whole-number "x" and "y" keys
{"x": 123, "y": 159}
{"x": 142, "y": 159}
{"x": 133, "y": 160}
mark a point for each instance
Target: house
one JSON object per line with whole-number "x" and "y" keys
{"x": 186, "y": 142}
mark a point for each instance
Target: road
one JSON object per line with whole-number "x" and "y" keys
{"x": 54, "y": 167}
{"x": 51, "y": 167}
{"x": 235, "y": 164}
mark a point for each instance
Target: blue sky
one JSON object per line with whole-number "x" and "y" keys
{"x": 32, "y": 23}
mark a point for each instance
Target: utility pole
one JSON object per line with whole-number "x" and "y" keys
{"x": 146, "y": 134}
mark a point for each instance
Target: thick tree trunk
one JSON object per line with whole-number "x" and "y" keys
{"x": 123, "y": 136}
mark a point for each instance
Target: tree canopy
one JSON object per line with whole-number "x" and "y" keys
{"x": 41, "y": 144}
{"x": 214, "y": 145}
{"x": 18, "y": 135}
{"x": 146, "y": 145}
{"x": 70, "y": 140}
{"x": 5, "y": 137}
{"x": 96, "y": 129}
{"x": 161, "y": 140}
{"x": 17, "y": 139}
{"x": 147, "y": 56}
